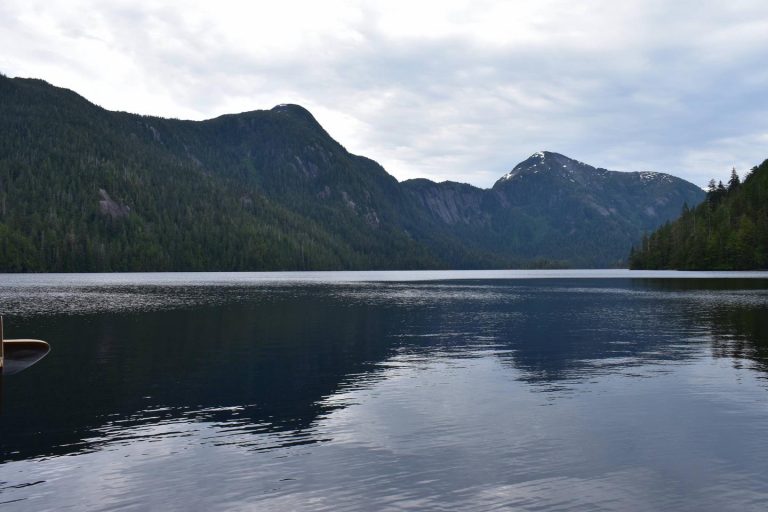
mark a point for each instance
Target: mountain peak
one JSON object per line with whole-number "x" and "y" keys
{"x": 294, "y": 110}
{"x": 542, "y": 156}
{"x": 298, "y": 113}
{"x": 544, "y": 161}
{"x": 290, "y": 108}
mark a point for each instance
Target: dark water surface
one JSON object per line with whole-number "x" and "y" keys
{"x": 388, "y": 391}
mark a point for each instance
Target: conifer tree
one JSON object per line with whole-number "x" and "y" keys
{"x": 734, "y": 182}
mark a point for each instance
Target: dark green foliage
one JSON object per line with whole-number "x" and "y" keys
{"x": 86, "y": 189}
{"x": 729, "y": 231}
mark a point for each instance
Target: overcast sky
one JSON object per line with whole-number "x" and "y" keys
{"x": 459, "y": 90}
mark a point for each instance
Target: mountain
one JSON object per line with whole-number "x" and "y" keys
{"x": 728, "y": 231}
{"x": 86, "y": 189}
{"x": 551, "y": 208}
{"x": 82, "y": 188}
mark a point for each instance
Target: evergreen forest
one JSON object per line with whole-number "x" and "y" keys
{"x": 85, "y": 189}
{"x": 728, "y": 231}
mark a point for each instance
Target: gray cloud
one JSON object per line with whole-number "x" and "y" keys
{"x": 445, "y": 90}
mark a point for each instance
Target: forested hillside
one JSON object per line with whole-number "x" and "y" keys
{"x": 86, "y": 189}
{"x": 728, "y": 231}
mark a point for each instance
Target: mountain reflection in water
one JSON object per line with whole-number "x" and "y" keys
{"x": 385, "y": 394}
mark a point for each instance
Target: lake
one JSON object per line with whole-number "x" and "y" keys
{"x": 487, "y": 390}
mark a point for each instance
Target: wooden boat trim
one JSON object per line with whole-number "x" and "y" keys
{"x": 21, "y": 344}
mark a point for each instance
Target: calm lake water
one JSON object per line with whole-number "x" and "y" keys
{"x": 550, "y": 390}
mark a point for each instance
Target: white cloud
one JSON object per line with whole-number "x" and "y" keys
{"x": 446, "y": 90}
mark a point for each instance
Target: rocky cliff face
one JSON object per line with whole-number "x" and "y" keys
{"x": 450, "y": 202}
